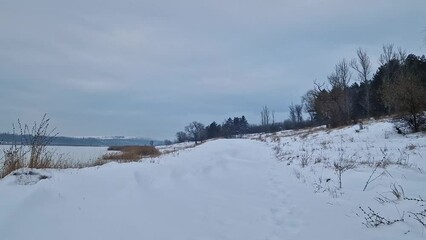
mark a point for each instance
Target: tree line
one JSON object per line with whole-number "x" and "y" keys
{"x": 197, "y": 132}
{"x": 350, "y": 93}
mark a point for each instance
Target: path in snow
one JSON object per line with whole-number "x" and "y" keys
{"x": 223, "y": 189}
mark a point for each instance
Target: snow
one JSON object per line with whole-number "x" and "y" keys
{"x": 175, "y": 147}
{"x": 228, "y": 189}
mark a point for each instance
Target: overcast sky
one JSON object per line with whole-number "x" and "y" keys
{"x": 149, "y": 67}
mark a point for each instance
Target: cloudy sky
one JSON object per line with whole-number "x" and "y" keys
{"x": 148, "y": 67}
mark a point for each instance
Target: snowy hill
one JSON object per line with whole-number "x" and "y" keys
{"x": 273, "y": 186}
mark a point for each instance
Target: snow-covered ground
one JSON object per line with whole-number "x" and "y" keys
{"x": 174, "y": 148}
{"x": 232, "y": 189}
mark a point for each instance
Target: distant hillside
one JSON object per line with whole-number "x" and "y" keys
{"x": 7, "y": 138}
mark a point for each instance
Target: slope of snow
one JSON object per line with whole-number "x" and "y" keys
{"x": 227, "y": 189}
{"x": 312, "y": 155}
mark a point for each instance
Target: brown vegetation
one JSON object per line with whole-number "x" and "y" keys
{"x": 33, "y": 141}
{"x": 130, "y": 153}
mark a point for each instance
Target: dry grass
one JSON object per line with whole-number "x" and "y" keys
{"x": 63, "y": 163}
{"x": 11, "y": 165}
{"x": 14, "y": 158}
{"x": 130, "y": 153}
{"x": 17, "y": 157}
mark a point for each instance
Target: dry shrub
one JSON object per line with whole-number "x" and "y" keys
{"x": 31, "y": 149}
{"x": 130, "y": 153}
{"x": 14, "y": 159}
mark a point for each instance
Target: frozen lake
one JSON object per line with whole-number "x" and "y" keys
{"x": 72, "y": 153}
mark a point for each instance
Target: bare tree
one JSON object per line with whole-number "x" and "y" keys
{"x": 296, "y": 116}
{"x": 362, "y": 66}
{"x": 308, "y": 101}
{"x": 402, "y": 55}
{"x": 339, "y": 81}
{"x": 388, "y": 54}
{"x": 341, "y": 76}
{"x": 293, "y": 117}
{"x": 195, "y": 131}
{"x": 265, "y": 116}
{"x": 299, "y": 115}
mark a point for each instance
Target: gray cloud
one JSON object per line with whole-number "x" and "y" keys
{"x": 147, "y": 68}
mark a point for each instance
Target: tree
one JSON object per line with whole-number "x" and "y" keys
{"x": 339, "y": 94}
{"x": 243, "y": 125}
{"x": 213, "y": 130}
{"x": 308, "y": 101}
{"x": 195, "y": 131}
{"x": 388, "y": 54}
{"x": 357, "y": 95}
{"x": 407, "y": 93}
{"x": 318, "y": 104}
{"x": 227, "y": 128}
{"x": 265, "y": 116}
{"x": 299, "y": 115}
{"x": 292, "y": 114}
{"x": 362, "y": 67}
{"x": 341, "y": 76}
{"x": 385, "y": 75}
{"x": 236, "y": 126}
{"x": 391, "y": 62}
{"x": 181, "y": 137}
{"x": 296, "y": 116}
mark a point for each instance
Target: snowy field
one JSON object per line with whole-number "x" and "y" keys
{"x": 275, "y": 186}
{"x": 76, "y": 154}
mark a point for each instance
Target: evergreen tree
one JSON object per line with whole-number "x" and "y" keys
{"x": 213, "y": 130}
